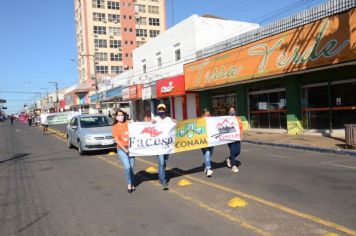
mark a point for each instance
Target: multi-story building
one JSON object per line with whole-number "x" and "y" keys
{"x": 108, "y": 31}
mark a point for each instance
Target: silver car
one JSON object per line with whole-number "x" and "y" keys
{"x": 90, "y": 133}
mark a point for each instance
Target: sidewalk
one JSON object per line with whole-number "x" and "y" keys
{"x": 303, "y": 142}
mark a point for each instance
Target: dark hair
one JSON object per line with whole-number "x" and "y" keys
{"x": 126, "y": 116}
{"x": 204, "y": 111}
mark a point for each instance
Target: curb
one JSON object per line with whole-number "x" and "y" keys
{"x": 306, "y": 148}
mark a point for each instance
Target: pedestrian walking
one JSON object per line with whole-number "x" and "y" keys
{"x": 12, "y": 118}
{"x": 162, "y": 159}
{"x": 120, "y": 131}
{"x": 29, "y": 119}
{"x": 208, "y": 151}
{"x": 44, "y": 123}
{"x": 235, "y": 147}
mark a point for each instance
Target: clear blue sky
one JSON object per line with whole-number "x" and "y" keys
{"x": 38, "y": 38}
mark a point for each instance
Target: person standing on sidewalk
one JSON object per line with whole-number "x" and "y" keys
{"x": 208, "y": 151}
{"x": 120, "y": 131}
{"x": 235, "y": 147}
{"x": 162, "y": 159}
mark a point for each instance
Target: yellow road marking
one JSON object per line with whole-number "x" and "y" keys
{"x": 151, "y": 170}
{"x": 184, "y": 182}
{"x": 232, "y": 218}
{"x": 237, "y": 202}
{"x": 271, "y": 204}
{"x": 111, "y": 154}
{"x": 331, "y": 234}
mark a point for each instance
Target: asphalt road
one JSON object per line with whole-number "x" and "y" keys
{"x": 47, "y": 189}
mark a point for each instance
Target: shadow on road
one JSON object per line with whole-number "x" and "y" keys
{"x": 143, "y": 176}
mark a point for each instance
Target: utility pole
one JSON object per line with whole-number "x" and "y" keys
{"x": 57, "y": 100}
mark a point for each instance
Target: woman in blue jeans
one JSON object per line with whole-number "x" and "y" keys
{"x": 235, "y": 147}
{"x": 208, "y": 151}
{"x": 120, "y": 132}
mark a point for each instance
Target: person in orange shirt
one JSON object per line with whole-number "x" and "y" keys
{"x": 235, "y": 147}
{"x": 120, "y": 131}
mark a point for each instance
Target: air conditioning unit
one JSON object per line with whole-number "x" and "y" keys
{"x": 111, "y": 36}
{"x": 120, "y": 49}
{"x": 143, "y": 38}
{"x": 115, "y": 21}
{"x": 95, "y": 35}
{"x": 104, "y": 21}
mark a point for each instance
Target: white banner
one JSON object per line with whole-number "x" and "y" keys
{"x": 148, "y": 139}
{"x": 60, "y": 117}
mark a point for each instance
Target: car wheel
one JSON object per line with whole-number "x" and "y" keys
{"x": 69, "y": 144}
{"x": 80, "y": 150}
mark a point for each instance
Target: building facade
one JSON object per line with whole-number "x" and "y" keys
{"x": 108, "y": 31}
{"x": 297, "y": 79}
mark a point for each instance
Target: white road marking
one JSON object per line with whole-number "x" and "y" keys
{"x": 280, "y": 156}
{"x": 333, "y": 164}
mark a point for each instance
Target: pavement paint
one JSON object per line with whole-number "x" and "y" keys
{"x": 151, "y": 170}
{"x": 111, "y": 154}
{"x": 259, "y": 200}
{"x": 184, "y": 182}
{"x": 200, "y": 204}
{"x": 237, "y": 202}
{"x": 331, "y": 234}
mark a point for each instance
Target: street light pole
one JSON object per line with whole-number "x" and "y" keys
{"x": 47, "y": 98}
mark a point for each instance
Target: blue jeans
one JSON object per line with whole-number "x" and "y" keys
{"x": 235, "y": 149}
{"x": 162, "y": 160}
{"x": 129, "y": 165}
{"x": 207, "y": 154}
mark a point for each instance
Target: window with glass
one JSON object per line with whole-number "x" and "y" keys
{"x": 102, "y": 69}
{"x": 100, "y": 43}
{"x": 140, "y": 8}
{"x": 116, "y": 69}
{"x": 141, "y": 21}
{"x": 153, "y": 9}
{"x": 220, "y": 104}
{"x": 98, "y": 4}
{"x": 177, "y": 54}
{"x": 154, "y": 33}
{"x": 315, "y": 106}
{"x": 101, "y": 56}
{"x": 99, "y": 30}
{"x": 113, "y": 5}
{"x": 114, "y": 18}
{"x": 267, "y": 109}
{"x": 115, "y": 43}
{"x": 114, "y": 31}
{"x": 141, "y": 32}
{"x": 153, "y": 21}
{"x": 98, "y": 16}
{"x": 115, "y": 57}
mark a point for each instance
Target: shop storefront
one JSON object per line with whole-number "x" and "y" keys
{"x": 171, "y": 92}
{"x": 149, "y": 100}
{"x": 301, "y": 79}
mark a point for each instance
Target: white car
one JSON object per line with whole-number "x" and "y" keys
{"x": 90, "y": 133}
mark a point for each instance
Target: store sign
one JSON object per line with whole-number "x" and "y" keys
{"x": 132, "y": 92}
{"x": 173, "y": 86}
{"x": 328, "y": 41}
{"x": 69, "y": 99}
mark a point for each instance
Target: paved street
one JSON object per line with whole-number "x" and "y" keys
{"x": 47, "y": 189}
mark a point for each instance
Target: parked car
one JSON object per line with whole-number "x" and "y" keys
{"x": 90, "y": 133}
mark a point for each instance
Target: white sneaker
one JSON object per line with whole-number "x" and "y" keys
{"x": 235, "y": 169}
{"x": 228, "y": 162}
{"x": 209, "y": 173}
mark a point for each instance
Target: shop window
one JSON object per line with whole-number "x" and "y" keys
{"x": 315, "y": 105}
{"x": 267, "y": 109}
{"x": 220, "y": 104}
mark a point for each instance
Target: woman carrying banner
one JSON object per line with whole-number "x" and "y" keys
{"x": 208, "y": 151}
{"x": 235, "y": 147}
{"x": 162, "y": 159}
{"x": 120, "y": 131}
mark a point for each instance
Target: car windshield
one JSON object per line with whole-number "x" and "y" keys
{"x": 94, "y": 121}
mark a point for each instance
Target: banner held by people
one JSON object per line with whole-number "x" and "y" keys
{"x": 148, "y": 139}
